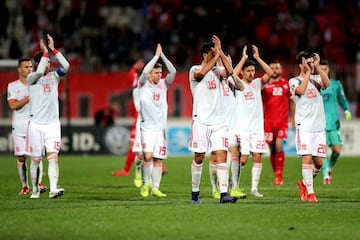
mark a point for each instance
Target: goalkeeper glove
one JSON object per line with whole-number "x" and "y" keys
{"x": 347, "y": 115}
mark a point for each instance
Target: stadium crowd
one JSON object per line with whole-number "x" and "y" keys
{"x": 87, "y": 30}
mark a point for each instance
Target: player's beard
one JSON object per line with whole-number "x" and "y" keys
{"x": 275, "y": 76}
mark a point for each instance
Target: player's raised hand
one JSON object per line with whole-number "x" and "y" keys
{"x": 316, "y": 59}
{"x": 158, "y": 50}
{"x": 43, "y": 46}
{"x": 255, "y": 51}
{"x": 244, "y": 54}
{"x": 50, "y": 42}
{"x": 216, "y": 41}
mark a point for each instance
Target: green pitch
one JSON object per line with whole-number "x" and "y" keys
{"x": 97, "y": 205}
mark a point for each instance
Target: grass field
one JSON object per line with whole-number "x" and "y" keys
{"x": 97, "y": 205}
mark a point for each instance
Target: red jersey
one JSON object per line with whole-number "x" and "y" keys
{"x": 276, "y": 102}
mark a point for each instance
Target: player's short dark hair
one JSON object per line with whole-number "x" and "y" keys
{"x": 207, "y": 47}
{"x": 302, "y": 55}
{"x": 248, "y": 63}
{"x": 158, "y": 65}
{"x": 38, "y": 56}
{"x": 324, "y": 62}
{"x": 21, "y": 60}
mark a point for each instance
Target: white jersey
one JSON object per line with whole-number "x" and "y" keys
{"x": 309, "y": 111}
{"x": 229, "y": 102}
{"x": 43, "y": 91}
{"x": 208, "y": 102}
{"x": 153, "y": 105}
{"x": 136, "y": 98}
{"x": 248, "y": 111}
{"x": 20, "y": 117}
{"x": 44, "y": 102}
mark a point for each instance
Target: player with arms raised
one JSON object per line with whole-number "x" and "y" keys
{"x": 309, "y": 120}
{"x": 209, "y": 130}
{"x": 44, "y": 132}
{"x": 153, "y": 120}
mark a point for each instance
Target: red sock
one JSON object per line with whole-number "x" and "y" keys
{"x": 279, "y": 163}
{"x": 129, "y": 161}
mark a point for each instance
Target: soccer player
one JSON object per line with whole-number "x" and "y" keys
{"x": 44, "y": 131}
{"x": 332, "y": 97}
{"x": 153, "y": 120}
{"x": 276, "y": 99}
{"x": 132, "y": 156}
{"x": 309, "y": 120}
{"x": 209, "y": 129}
{"x": 249, "y": 119}
{"x": 18, "y": 99}
{"x": 228, "y": 91}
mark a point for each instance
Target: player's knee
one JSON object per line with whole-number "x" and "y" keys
{"x": 36, "y": 159}
{"x": 279, "y": 145}
{"x": 52, "y": 156}
{"x": 21, "y": 158}
{"x": 199, "y": 157}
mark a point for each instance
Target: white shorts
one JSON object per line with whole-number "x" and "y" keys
{"x": 43, "y": 137}
{"x": 205, "y": 138}
{"x": 137, "y": 141}
{"x": 154, "y": 142}
{"x": 309, "y": 143}
{"x": 253, "y": 141}
{"x": 234, "y": 138}
{"x": 19, "y": 145}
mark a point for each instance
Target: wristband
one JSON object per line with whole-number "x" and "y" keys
{"x": 46, "y": 54}
{"x": 55, "y": 51}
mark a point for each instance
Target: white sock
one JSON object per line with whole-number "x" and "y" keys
{"x": 53, "y": 171}
{"x": 235, "y": 172}
{"x": 156, "y": 174}
{"x": 41, "y": 171}
{"x": 213, "y": 175}
{"x": 228, "y": 159}
{"x": 307, "y": 174}
{"x": 146, "y": 171}
{"x": 34, "y": 173}
{"x": 241, "y": 166}
{"x": 223, "y": 177}
{"x": 255, "y": 176}
{"x": 196, "y": 171}
{"x": 22, "y": 169}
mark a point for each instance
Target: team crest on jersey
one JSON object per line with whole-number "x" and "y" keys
{"x": 159, "y": 86}
{"x": 253, "y": 85}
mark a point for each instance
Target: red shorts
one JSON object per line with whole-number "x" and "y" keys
{"x": 274, "y": 131}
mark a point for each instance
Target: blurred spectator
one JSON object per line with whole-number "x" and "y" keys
{"x": 107, "y": 116}
{"x": 87, "y": 29}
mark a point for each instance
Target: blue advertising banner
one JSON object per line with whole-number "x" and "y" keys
{"x": 178, "y": 140}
